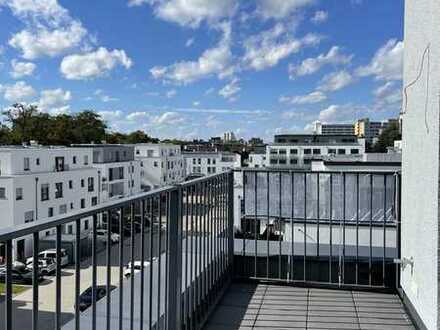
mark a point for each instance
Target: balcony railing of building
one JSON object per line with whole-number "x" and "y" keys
{"x": 337, "y": 229}
{"x": 309, "y": 228}
{"x": 179, "y": 261}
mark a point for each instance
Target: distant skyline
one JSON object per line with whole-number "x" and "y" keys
{"x": 198, "y": 68}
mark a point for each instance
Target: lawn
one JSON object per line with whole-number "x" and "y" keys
{"x": 16, "y": 289}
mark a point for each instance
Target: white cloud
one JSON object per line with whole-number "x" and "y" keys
{"x": 335, "y": 81}
{"x": 387, "y": 63}
{"x": 54, "y": 99}
{"x": 36, "y": 43}
{"x": 21, "y": 69}
{"x": 269, "y": 47}
{"x": 388, "y": 94}
{"x": 167, "y": 118}
{"x": 214, "y": 61}
{"x": 196, "y": 103}
{"x": 230, "y": 90}
{"x": 94, "y": 64}
{"x": 312, "y": 65}
{"x": 312, "y": 98}
{"x": 136, "y": 116}
{"x": 345, "y": 113}
{"x": 280, "y": 8}
{"x": 189, "y": 42}
{"x": 189, "y": 12}
{"x": 104, "y": 98}
{"x": 320, "y": 17}
{"x": 18, "y": 92}
{"x": 111, "y": 115}
{"x": 171, "y": 93}
{"x": 49, "y": 31}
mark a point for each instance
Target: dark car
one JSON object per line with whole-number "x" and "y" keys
{"x": 22, "y": 276}
{"x": 85, "y": 298}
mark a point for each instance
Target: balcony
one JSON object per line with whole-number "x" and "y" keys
{"x": 306, "y": 249}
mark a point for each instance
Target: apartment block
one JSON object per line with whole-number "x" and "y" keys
{"x": 38, "y": 183}
{"x": 298, "y": 151}
{"x": 207, "y": 163}
{"x": 333, "y": 129}
{"x": 370, "y": 130}
{"x": 161, "y": 165}
{"x": 257, "y": 159}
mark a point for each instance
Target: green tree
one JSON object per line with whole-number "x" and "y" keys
{"x": 138, "y": 137}
{"x": 20, "y": 117}
{"x": 387, "y": 138}
{"x": 88, "y": 127}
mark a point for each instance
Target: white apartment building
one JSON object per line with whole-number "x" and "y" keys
{"x": 119, "y": 172}
{"x": 257, "y": 160}
{"x": 39, "y": 182}
{"x": 207, "y": 163}
{"x": 332, "y": 129}
{"x": 298, "y": 151}
{"x": 161, "y": 165}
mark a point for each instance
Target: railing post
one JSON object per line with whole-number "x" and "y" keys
{"x": 231, "y": 222}
{"x": 175, "y": 261}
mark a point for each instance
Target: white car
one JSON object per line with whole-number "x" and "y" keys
{"x": 137, "y": 267}
{"x": 52, "y": 254}
{"x": 46, "y": 266}
{"x": 101, "y": 234}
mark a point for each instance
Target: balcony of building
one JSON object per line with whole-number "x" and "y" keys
{"x": 277, "y": 249}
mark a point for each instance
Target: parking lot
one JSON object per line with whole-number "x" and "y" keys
{"x": 22, "y": 303}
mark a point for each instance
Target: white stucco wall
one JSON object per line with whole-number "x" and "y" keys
{"x": 420, "y": 163}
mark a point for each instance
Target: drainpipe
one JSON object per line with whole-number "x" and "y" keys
{"x": 36, "y": 198}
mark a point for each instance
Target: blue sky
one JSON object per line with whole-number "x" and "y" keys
{"x": 197, "y": 68}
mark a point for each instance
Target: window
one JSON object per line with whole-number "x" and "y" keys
{"x": 341, "y": 151}
{"x": 273, "y": 151}
{"x": 45, "y": 192}
{"x": 86, "y": 160}
{"x": 74, "y": 159}
{"x": 71, "y": 206}
{"x": 354, "y": 151}
{"x": 213, "y": 162}
{"x": 316, "y": 151}
{"x": 282, "y": 151}
{"x": 307, "y": 151}
{"x": 90, "y": 184}
{"x": 155, "y": 164}
{"x": 28, "y": 216}
{"x": 332, "y": 151}
{"x": 94, "y": 201}
{"x": 59, "y": 190}
{"x": 70, "y": 184}
{"x": 18, "y": 194}
{"x": 86, "y": 224}
{"x": 50, "y": 212}
{"x": 199, "y": 161}
{"x": 2, "y": 193}
{"x": 274, "y": 161}
{"x": 37, "y": 161}
{"x": 294, "y": 161}
{"x": 194, "y": 161}
{"x": 137, "y": 152}
{"x": 82, "y": 183}
{"x": 26, "y": 163}
{"x": 282, "y": 161}
{"x": 307, "y": 161}
{"x": 83, "y": 203}
{"x": 69, "y": 229}
{"x": 294, "y": 151}
{"x": 63, "y": 209}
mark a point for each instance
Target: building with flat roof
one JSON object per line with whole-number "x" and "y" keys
{"x": 207, "y": 163}
{"x": 370, "y": 130}
{"x": 333, "y": 129}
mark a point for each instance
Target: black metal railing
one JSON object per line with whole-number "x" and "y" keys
{"x": 325, "y": 228}
{"x": 174, "y": 244}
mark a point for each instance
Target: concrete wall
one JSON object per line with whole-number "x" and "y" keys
{"x": 420, "y": 163}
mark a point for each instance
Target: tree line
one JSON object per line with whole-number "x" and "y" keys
{"x": 24, "y": 123}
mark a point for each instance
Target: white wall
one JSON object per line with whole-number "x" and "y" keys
{"x": 420, "y": 163}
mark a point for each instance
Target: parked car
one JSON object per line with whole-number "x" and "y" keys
{"x": 101, "y": 234}
{"x": 85, "y": 298}
{"x": 137, "y": 267}
{"x": 46, "y": 266}
{"x": 19, "y": 276}
{"x": 51, "y": 254}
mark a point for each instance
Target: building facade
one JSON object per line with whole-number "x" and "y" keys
{"x": 161, "y": 165}
{"x": 119, "y": 172}
{"x": 38, "y": 183}
{"x": 298, "y": 151}
{"x": 257, "y": 160}
{"x": 333, "y": 129}
{"x": 370, "y": 130}
{"x": 207, "y": 163}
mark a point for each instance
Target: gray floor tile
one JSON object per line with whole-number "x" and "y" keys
{"x": 328, "y": 325}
